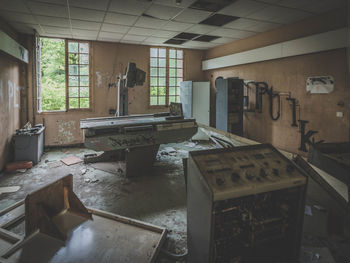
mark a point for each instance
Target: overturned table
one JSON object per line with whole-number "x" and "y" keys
{"x": 134, "y": 138}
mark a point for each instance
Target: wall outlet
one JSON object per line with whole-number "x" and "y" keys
{"x": 340, "y": 114}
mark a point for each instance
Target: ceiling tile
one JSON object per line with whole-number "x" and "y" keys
{"x": 58, "y": 2}
{"x": 54, "y": 29}
{"x": 192, "y": 16}
{"x": 109, "y": 35}
{"x": 175, "y": 41}
{"x": 142, "y": 31}
{"x": 162, "y": 11}
{"x": 26, "y": 28}
{"x": 115, "y": 28}
{"x": 14, "y": 5}
{"x": 48, "y": 9}
{"x": 53, "y": 21}
{"x": 177, "y": 26}
{"x": 155, "y": 40}
{"x": 264, "y": 26}
{"x": 315, "y": 6}
{"x": 133, "y": 38}
{"x": 201, "y": 45}
{"x": 224, "y": 40}
{"x": 80, "y": 24}
{"x": 183, "y": 4}
{"x": 84, "y": 33}
{"x": 148, "y": 22}
{"x": 251, "y": 25}
{"x": 57, "y": 35}
{"x": 82, "y": 37}
{"x": 242, "y": 8}
{"x": 165, "y": 34}
{"x": 132, "y": 42}
{"x": 279, "y": 14}
{"x": 121, "y": 19}
{"x": 206, "y": 38}
{"x": 86, "y": 14}
{"x": 201, "y": 29}
{"x": 232, "y": 33}
{"x": 131, "y": 7}
{"x": 17, "y": 17}
{"x": 90, "y": 4}
{"x": 107, "y": 39}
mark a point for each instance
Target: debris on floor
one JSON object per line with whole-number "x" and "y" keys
{"x": 54, "y": 164}
{"x": 9, "y": 189}
{"x": 110, "y": 167}
{"x": 10, "y": 167}
{"x": 316, "y": 255}
{"x": 71, "y": 160}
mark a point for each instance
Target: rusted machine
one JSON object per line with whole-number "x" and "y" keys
{"x": 59, "y": 228}
{"x": 135, "y": 138}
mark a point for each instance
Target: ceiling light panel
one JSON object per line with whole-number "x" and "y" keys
{"x": 242, "y": 8}
{"x": 162, "y": 11}
{"x": 130, "y": 7}
{"x": 192, "y": 16}
{"x": 121, "y": 19}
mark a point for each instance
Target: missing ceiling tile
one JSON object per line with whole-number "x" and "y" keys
{"x": 206, "y": 38}
{"x": 175, "y": 41}
{"x": 187, "y": 36}
{"x": 218, "y": 20}
{"x": 211, "y": 5}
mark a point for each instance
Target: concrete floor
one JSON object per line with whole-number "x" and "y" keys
{"x": 158, "y": 197}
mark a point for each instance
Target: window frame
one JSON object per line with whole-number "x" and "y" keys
{"x": 167, "y": 104}
{"x": 38, "y": 85}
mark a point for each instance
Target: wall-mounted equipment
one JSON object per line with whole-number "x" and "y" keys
{"x": 229, "y": 105}
{"x": 244, "y": 204}
{"x": 133, "y": 77}
{"x": 320, "y": 84}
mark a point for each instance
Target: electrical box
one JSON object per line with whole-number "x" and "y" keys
{"x": 244, "y": 204}
{"x": 229, "y": 105}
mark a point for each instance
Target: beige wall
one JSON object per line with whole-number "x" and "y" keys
{"x": 289, "y": 75}
{"x": 108, "y": 60}
{"x": 11, "y": 82}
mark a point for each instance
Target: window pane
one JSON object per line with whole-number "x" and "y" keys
{"x": 172, "y": 53}
{"x": 162, "y": 91}
{"x": 179, "y": 63}
{"x": 154, "y": 81}
{"x": 84, "y": 103}
{"x": 180, "y": 54}
{"x": 179, "y": 80}
{"x": 172, "y": 91}
{"x": 172, "y": 72}
{"x": 84, "y": 70}
{"x": 179, "y": 72}
{"x": 84, "y": 92}
{"x": 73, "y": 70}
{"x": 72, "y": 47}
{"x": 73, "y": 81}
{"x": 73, "y": 103}
{"x": 161, "y": 100}
{"x": 162, "y": 72}
{"x": 84, "y": 59}
{"x": 162, "y": 62}
{"x": 153, "y": 72}
{"x": 161, "y": 82}
{"x": 153, "y": 101}
{"x": 73, "y": 58}
{"x": 153, "y": 91}
{"x": 84, "y": 81}
{"x": 154, "y": 52}
{"x": 172, "y": 82}
{"x": 172, "y": 63}
{"x": 73, "y": 92}
{"x": 83, "y": 47}
{"x": 162, "y": 53}
{"x": 172, "y": 99}
{"x": 177, "y": 98}
{"x": 177, "y": 90}
{"x": 154, "y": 62}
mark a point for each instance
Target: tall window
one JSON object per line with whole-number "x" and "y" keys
{"x": 78, "y": 71}
{"x": 166, "y": 73}
{"x": 56, "y": 58}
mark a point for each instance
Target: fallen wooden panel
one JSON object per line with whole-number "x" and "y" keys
{"x": 71, "y": 160}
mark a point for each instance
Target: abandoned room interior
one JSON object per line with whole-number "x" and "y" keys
{"x": 199, "y": 131}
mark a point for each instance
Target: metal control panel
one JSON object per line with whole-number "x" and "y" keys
{"x": 233, "y": 173}
{"x": 244, "y": 205}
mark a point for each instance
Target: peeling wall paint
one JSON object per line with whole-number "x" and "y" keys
{"x": 66, "y": 130}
